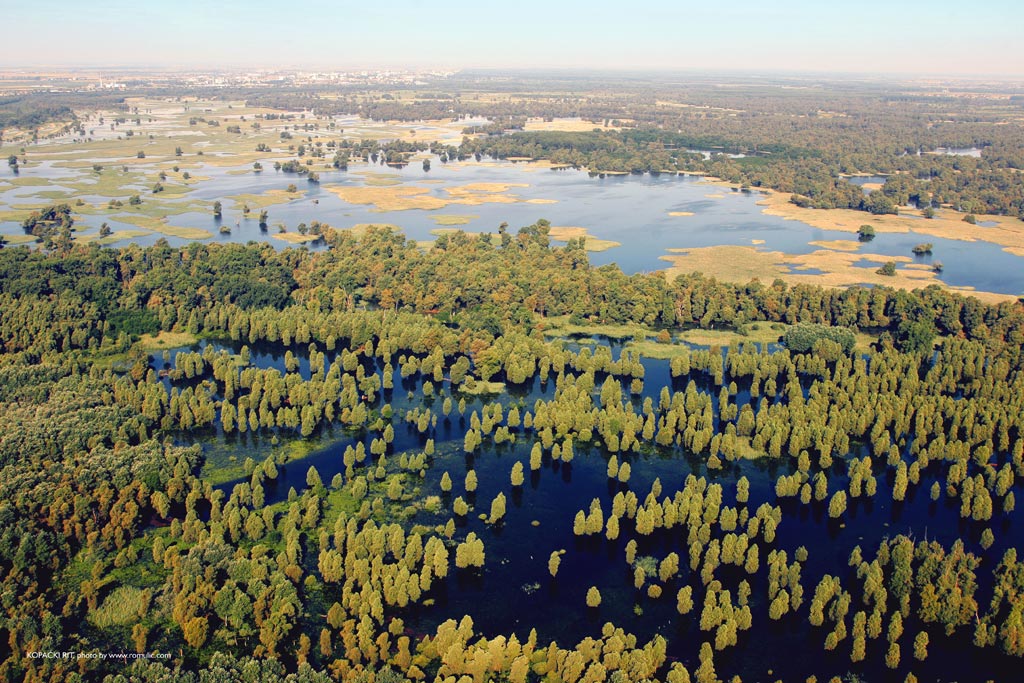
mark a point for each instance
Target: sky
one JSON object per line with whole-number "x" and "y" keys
{"x": 968, "y": 37}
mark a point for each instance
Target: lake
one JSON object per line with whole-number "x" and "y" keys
{"x": 633, "y": 210}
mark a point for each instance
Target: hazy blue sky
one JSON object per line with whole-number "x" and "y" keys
{"x": 934, "y": 36}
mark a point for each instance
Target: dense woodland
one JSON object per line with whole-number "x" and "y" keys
{"x": 112, "y": 541}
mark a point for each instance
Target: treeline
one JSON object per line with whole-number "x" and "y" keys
{"x": 987, "y": 185}
{"x": 382, "y": 269}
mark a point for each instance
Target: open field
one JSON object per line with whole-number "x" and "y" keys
{"x": 591, "y": 243}
{"x": 452, "y": 219}
{"x": 1007, "y": 232}
{"x": 160, "y": 225}
{"x": 295, "y": 237}
{"x": 255, "y": 202}
{"x": 166, "y": 340}
{"x": 839, "y": 269}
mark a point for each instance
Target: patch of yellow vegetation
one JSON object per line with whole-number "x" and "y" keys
{"x": 715, "y": 195}
{"x": 757, "y": 241}
{"x": 115, "y": 236}
{"x": 390, "y": 198}
{"x": 680, "y": 213}
{"x": 268, "y": 198}
{"x": 477, "y": 188}
{"x": 403, "y": 198}
{"x": 949, "y": 224}
{"x": 838, "y": 245}
{"x": 382, "y": 182}
{"x": 762, "y": 333}
{"x": 476, "y": 387}
{"x": 564, "y": 233}
{"x": 295, "y": 237}
{"x": 541, "y": 201}
{"x": 19, "y": 239}
{"x": 166, "y": 340}
{"x": 160, "y": 225}
{"x": 840, "y": 269}
{"x": 452, "y": 219}
{"x": 1016, "y": 251}
{"x": 360, "y": 229}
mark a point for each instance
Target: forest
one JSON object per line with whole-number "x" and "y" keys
{"x": 117, "y": 539}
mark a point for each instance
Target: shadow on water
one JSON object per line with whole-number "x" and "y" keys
{"x": 515, "y": 593}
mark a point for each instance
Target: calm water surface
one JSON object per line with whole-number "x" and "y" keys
{"x": 515, "y": 593}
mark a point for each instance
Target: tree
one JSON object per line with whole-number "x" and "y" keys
{"x": 195, "y": 630}
{"x": 921, "y": 646}
{"x": 888, "y": 269}
{"x": 866, "y": 233}
{"x": 497, "y": 509}
{"x": 517, "y": 474}
{"x": 593, "y": 597}
{"x": 217, "y": 209}
{"x": 553, "y": 563}
{"x": 837, "y": 505}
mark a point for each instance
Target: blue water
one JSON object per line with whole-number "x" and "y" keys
{"x": 514, "y": 592}
{"x": 632, "y": 210}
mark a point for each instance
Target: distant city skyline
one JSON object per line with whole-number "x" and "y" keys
{"x": 871, "y": 36}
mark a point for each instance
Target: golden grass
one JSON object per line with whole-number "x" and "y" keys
{"x": 761, "y": 332}
{"x": 268, "y": 198}
{"x": 19, "y": 239}
{"x": 295, "y": 237}
{"x": 652, "y": 349}
{"x": 31, "y": 181}
{"x": 15, "y": 215}
{"x": 125, "y": 605}
{"x": 715, "y": 195}
{"x": 1007, "y": 231}
{"x": 390, "y": 198}
{"x": 838, "y": 245}
{"x": 483, "y": 188}
{"x": 741, "y": 264}
{"x": 541, "y": 201}
{"x": 757, "y": 241}
{"x": 381, "y": 182}
{"x": 680, "y": 213}
{"x": 402, "y": 198}
{"x": 360, "y": 229}
{"x": 166, "y": 340}
{"x": 1016, "y": 251}
{"x": 160, "y": 225}
{"x": 115, "y": 236}
{"x": 564, "y": 233}
{"x": 476, "y": 387}
{"x": 452, "y": 219}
